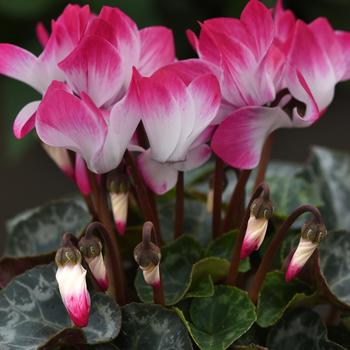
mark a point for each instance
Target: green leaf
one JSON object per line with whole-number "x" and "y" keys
{"x": 205, "y": 273}
{"x": 176, "y": 268}
{"x": 216, "y": 322}
{"x": 300, "y": 329}
{"x": 222, "y": 247}
{"x": 32, "y": 312}
{"x": 276, "y": 296}
{"x": 39, "y": 231}
{"x": 334, "y": 255}
{"x": 290, "y": 187}
{"x": 149, "y": 327}
{"x": 197, "y": 221}
{"x": 330, "y": 171}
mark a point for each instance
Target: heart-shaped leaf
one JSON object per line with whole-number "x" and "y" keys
{"x": 40, "y": 230}
{"x": 176, "y": 268}
{"x": 276, "y": 296}
{"x": 149, "y": 327}
{"x": 300, "y": 329}
{"x": 205, "y": 273}
{"x": 330, "y": 171}
{"x": 334, "y": 255}
{"x": 32, "y": 312}
{"x": 216, "y": 322}
{"x": 222, "y": 247}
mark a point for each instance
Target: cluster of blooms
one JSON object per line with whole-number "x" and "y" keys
{"x": 102, "y": 78}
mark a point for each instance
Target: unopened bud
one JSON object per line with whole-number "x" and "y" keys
{"x": 147, "y": 255}
{"x": 311, "y": 235}
{"x": 119, "y": 194}
{"x": 71, "y": 279}
{"x": 91, "y": 249}
{"x": 61, "y": 158}
{"x": 260, "y": 213}
{"x": 81, "y": 176}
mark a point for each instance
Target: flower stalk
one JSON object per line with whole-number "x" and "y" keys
{"x": 149, "y": 210}
{"x": 179, "y": 209}
{"x": 218, "y": 188}
{"x": 267, "y": 259}
{"x": 235, "y": 210}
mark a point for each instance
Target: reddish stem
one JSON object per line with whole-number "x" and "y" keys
{"x": 179, "y": 210}
{"x": 218, "y": 187}
{"x": 264, "y": 161}
{"x": 235, "y": 209}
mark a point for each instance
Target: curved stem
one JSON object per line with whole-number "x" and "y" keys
{"x": 115, "y": 274}
{"x": 179, "y": 211}
{"x": 158, "y": 290}
{"x": 236, "y": 206}
{"x": 262, "y": 189}
{"x": 218, "y": 185}
{"x": 266, "y": 261}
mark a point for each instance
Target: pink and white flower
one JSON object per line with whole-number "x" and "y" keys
{"x": 177, "y": 118}
{"x": 267, "y": 79}
{"x": 39, "y": 72}
{"x": 94, "y": 55}
{"x": 99, "y": 136}
{"x": 71, "y": 279}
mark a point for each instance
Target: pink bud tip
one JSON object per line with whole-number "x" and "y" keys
{"x": 103, "y": 283}
{"x": 292, "y": 271}
{"x": 120, "y": 226}
{"x": 156, "y": 284}
{"x": 247, "y": 248}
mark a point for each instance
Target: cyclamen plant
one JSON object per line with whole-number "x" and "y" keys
{"x": 164, "y": 252}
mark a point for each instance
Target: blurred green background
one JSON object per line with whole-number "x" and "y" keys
{"x": 28, "y": 177}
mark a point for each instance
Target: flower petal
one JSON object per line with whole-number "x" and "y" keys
{"x": 19, "y": 64}
{"x": 310, "y": 77}
{"x": 162, "y": 109}
{"x": 239, "y": 138}
{"x": 255, "y": 234}
{"x": 119, "y": 203}
{"x": 94, "y": 67}
{"x": 75, "y": 296}
{"x": 64, "y": 120}
{"x": 42, "y": 34}
{"x": 25, "y": 120}
{"x": 344, "y": 42}
{"x": 98, "y": 270}
{"x": 157, "y": 49}
{"x": 195, "y": 158}
{"x": 128, "y": 41}
{"x": 159, "y": 177}
{"x": 302, "y": 254}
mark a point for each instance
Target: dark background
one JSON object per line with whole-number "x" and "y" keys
{"x": 28, "y": 178}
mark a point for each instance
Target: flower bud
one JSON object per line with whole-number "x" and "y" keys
{"x": 61, "y": 158}
{"x": 71, "y": 279}
{"x": 311, "y": 235}
{"x": 91, "y": 249}
{"x": 147, "y": 256}
{"x": 119, "y": 194}
{"x": 260, "y": 213}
